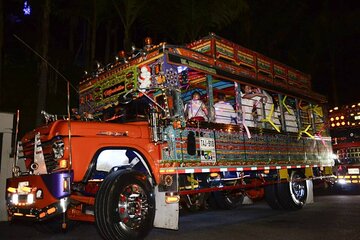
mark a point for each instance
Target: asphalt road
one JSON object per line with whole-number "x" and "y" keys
{"x": 330, "y": 217}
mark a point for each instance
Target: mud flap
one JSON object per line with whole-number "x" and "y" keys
{"x": 310, "y": 192}
{"x": 166, "y": 215}
{"x": 247, "y": 201}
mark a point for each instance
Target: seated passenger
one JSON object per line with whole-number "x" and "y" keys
{"x": 195, "y": 109}
{"x": 224, "y": 112}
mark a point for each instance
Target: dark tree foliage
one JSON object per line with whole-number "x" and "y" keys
{"x": 317, "y": 37}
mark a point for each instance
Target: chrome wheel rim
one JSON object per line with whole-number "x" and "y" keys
{"x": 298, "y": 189}
{"x": 132, "y": 206}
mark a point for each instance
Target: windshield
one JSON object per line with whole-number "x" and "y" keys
{"x": 135, "y": 110}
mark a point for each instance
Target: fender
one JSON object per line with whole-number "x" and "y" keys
{"x": 109, "y": 159}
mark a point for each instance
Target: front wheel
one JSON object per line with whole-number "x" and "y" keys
{"x": 125, "y": 206}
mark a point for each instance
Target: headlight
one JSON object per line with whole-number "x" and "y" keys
{"x": 30, "y": 199}
{"x": 58, "y": 148}
{"x": 342, "y": 181}
{"x": 15, "y": 199}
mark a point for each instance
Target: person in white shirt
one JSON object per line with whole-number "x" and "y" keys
{"x": 224, "y": 112}
{"x": 195, "y": 109}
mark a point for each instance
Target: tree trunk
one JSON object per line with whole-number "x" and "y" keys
{"x": 1, "y": 51}
{"x": 93, "y": 34}
{"x": 87, "y": 44}
{"x": 115, "y": 45}
{"x": 107, "y": 43}
{"x": 43, "y": 67}
{"x": 72, "y": 29}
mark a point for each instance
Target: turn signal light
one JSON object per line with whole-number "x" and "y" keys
{"x": 214, "y": 175}
{"x": 11, "y": 189}
{"x": 51, "y": 210}
{"x": 26, "y": 189}
{"x": 63, "y": 163}
{"x": 172, "y": 198}
{"x": 66, "y": 184}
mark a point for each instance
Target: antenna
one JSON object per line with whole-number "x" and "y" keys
{"x": 68, "y": 91}
{"x": 16, "y": 169}
{"x": 47, "y": 62}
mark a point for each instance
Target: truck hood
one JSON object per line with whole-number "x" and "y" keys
{"x": 80, "y": 128}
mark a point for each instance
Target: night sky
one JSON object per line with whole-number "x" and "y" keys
{"x": 320, "y": 38}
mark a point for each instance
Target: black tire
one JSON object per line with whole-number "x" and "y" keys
{"x": 211, "y": 201}
{"x": 125, "y": 206}
{"x": 292, "y": 195}
{"x": 228, "y": 199}
{"x": 271, "y": 197}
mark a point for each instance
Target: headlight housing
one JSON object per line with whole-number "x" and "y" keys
{"x": 58, "y": 147}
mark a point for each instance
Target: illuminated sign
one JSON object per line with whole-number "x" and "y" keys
{"x": 108, "y": 92}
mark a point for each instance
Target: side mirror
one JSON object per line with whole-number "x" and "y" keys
{"x": 126, "y": 98}
{"x": 191, "y": 143}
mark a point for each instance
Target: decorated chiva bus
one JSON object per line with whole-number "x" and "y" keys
{"x": 345, "y": 134}
{"x": 210, "y": 123}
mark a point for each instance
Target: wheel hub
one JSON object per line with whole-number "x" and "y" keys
{"x": 132, "y": 206}
{"x": 298, "y": 189}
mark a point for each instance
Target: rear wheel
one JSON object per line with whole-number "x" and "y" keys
{"x": 292, "y": 195}
{"x": 125, "y": 206}
{"x": 271, "y": 196}
{"x": 228, "y": 199}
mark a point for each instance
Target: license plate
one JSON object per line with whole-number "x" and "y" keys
{"x": 353, "y": 170}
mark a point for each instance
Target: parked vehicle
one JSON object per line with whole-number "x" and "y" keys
{"x": 345, "y": 133}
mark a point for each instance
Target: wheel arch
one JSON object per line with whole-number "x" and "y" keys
{"x": 143, "y": 166}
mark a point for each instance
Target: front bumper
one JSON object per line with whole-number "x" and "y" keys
{"x": 38, "y": 197}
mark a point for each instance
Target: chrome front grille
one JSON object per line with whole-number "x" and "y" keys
{"x": 28, "y": 153}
